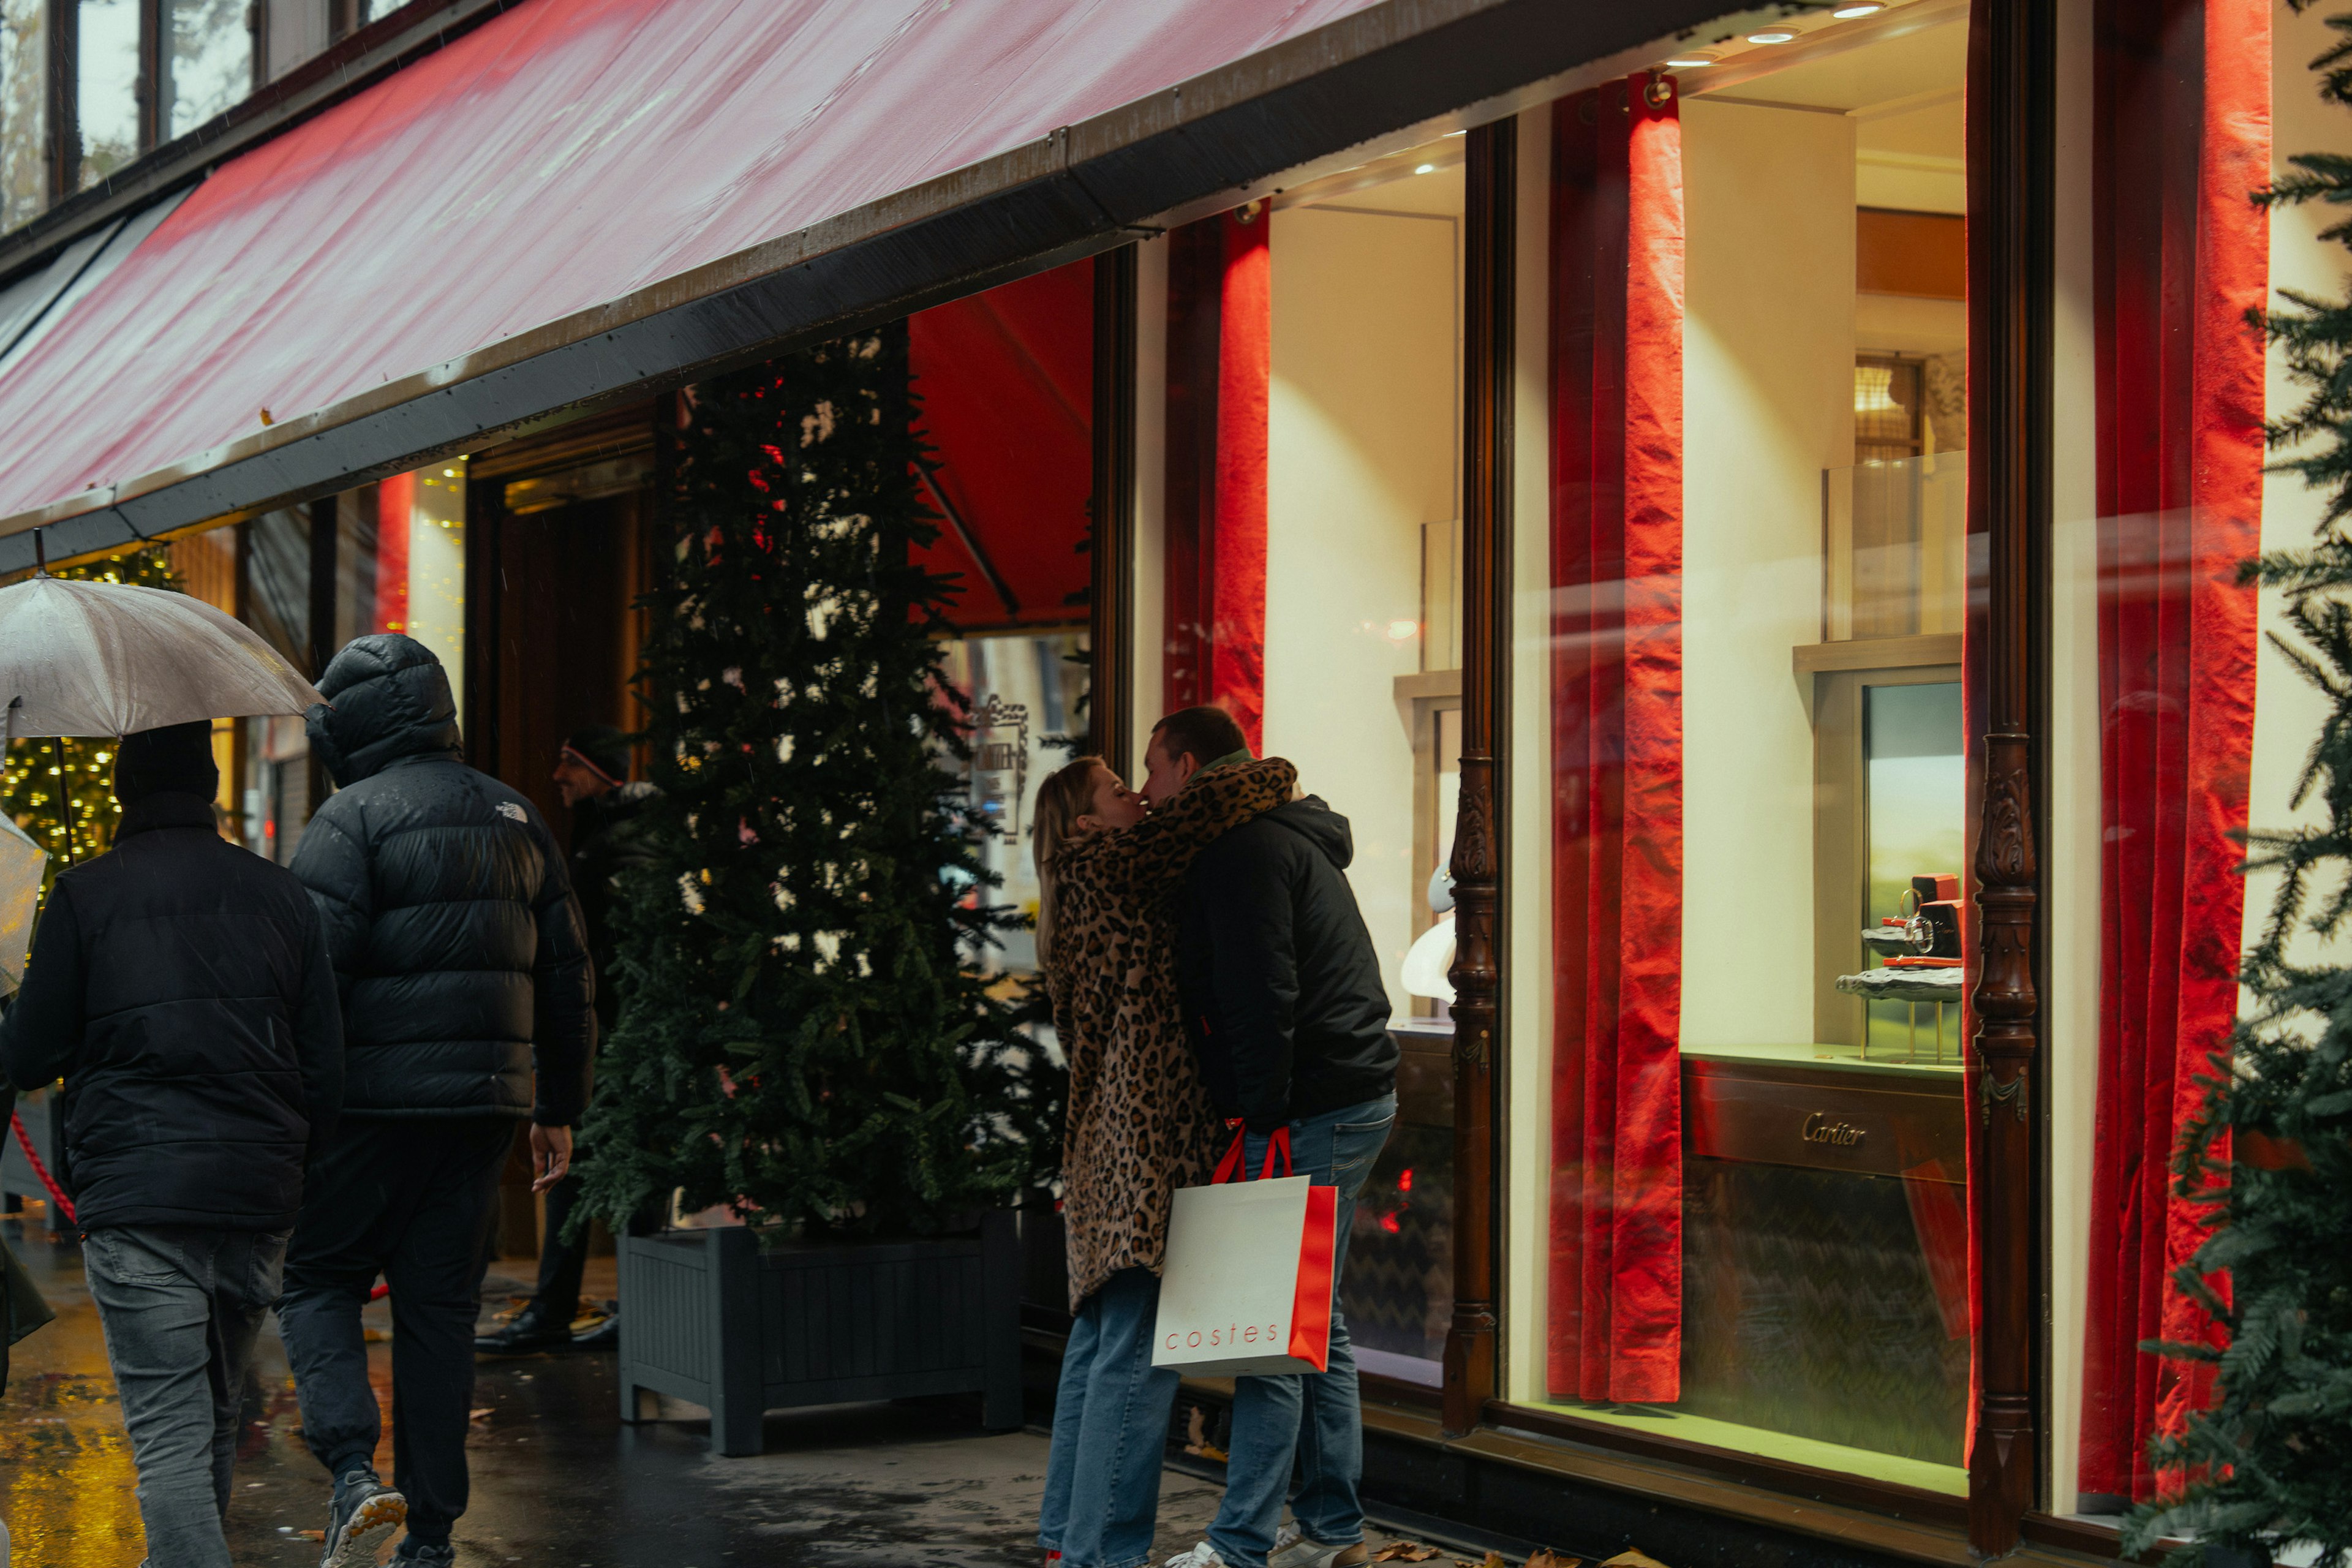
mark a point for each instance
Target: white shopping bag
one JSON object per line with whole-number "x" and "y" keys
{"x": 1246, "y": 1287}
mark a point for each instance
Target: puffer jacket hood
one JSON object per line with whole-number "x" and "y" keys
{"x": 388, "y": 698}
{"x": 1314, "y": 820}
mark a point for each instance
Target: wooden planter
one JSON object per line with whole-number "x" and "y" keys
{"x": 708, "y": 1316}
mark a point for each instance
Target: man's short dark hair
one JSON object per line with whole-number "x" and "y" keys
{"x": 1203, "y": 733}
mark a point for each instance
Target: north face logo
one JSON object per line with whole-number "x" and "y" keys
{"x": 509, "y": 808}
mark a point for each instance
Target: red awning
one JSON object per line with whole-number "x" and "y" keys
{"x": 565, "y": 155}
{"x": 1006, "y": 379}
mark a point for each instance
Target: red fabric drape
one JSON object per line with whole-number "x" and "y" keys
{"x": 1219, "y": 364}
{"x": 2183, "y": 116}
{"x": 1617, "y": 315}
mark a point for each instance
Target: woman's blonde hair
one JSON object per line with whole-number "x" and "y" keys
{"x": 1068, "y": 793}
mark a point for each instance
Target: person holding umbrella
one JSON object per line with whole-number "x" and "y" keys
{"x": 181, "y": 986}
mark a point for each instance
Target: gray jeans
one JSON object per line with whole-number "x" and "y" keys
{"x": 182, "y": 1306}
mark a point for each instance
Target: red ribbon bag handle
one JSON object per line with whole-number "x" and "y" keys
{"x": 1229, "y": 1169}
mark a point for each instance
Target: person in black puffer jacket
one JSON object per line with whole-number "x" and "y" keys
{"x": 457, "y": 943}
{"x": 182, "y": 987}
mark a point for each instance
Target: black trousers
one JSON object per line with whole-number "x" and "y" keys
{"x": 561, "y": 1263}
{"x": 411, "y": 1198}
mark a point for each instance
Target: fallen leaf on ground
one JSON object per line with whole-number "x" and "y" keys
{"x": 1635, "y": 1557}
{"x": 1404, "y": 1551}
{"x": 478, "y": 1414}
{"x": 1548, "y": 1558}
{"x": 311, "y": 1534}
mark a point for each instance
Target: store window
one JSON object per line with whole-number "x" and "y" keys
{"x": 107, "y": 86}
{"x": 1744, "y": 852}
{"x": 24, "y": 109}
{"x": 1004, "y": 387}
{"x": 208, "y": 58}
{"x": 1311, "y": 584}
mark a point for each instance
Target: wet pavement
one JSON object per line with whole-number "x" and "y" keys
{"x": 557, "y": 1477}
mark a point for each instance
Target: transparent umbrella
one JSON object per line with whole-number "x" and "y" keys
{"x": 21, "y": 864}
{"x": 107, "y": 659}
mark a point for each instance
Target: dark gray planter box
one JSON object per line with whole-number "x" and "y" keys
{"x": 706, "y": 1316}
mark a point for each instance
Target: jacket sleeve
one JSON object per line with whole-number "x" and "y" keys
{"x": 319, "y": 1041}
{"x": 332, "y": 864}
{"x": 1152, "y": 855}
{"x": 563, "y": 990}
{"x": 41, "y": 1037}
{"x": 1254, "y": 980}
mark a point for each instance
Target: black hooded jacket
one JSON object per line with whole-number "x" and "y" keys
{"x": 448, "y": 910}
{"x": 1281, "y": 989}
{"x": 182, "y": 987}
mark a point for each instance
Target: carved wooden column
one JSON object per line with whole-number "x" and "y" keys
{"x": 1111, "y": 703}
{"x": 2010, "y": 215}
{"x": 1480, "y": 832}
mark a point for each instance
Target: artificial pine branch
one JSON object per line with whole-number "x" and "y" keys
{"x": 2270, "y": 1465}
{"x": 806, "y": 1034}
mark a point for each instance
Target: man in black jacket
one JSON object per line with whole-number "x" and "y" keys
{"x": 182, "y": 987}
{"x": 591, "y": 775}
{"x": 457, "y": 943}
{"x": 1286, "y": 1010}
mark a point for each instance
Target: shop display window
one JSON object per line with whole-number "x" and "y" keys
{"x": 107, "y": 96}
{"x": 1028, "y": 696}
{"x": 1739, "y": 873}
{"x": 1336, "y": 309}
{"x": 24, "y": 109}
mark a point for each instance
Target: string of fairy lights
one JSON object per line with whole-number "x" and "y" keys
{"x": 61, "y": 791}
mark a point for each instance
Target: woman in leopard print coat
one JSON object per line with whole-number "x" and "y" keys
{"x": 1140, "y": 1123}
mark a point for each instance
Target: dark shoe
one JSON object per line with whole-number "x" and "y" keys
{"x": 605, "y": 1335}
{"x": 415, "y": 1550}
{"x": 363, "y": 1513}
{"x": 533, "y": 1330}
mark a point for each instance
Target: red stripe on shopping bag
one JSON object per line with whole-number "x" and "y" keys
{"x": 1310, "y": 1309}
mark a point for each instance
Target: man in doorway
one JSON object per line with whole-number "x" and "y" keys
{"x": 182, "y": 987}
{"x": 592, "y": 777}
{"x": 465, "y": 995}
{"x": 1285, "y": 1008}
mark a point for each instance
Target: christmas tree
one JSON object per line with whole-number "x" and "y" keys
{"x": 2271, "y": 1464}
{"x": 807, "y": 1034}
{"x": 61, "y": 791}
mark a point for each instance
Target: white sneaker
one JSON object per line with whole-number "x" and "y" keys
{"x": 1203, "y": 1555}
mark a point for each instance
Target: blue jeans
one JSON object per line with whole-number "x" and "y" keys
{"x": 182, "y": 1306}
{"x": 1313, "y": 1417}
{"x": 1110, "y": 1430}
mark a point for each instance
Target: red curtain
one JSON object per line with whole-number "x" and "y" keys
{"x": 1617, "y": 324}
{"x": 2182, "y": 110}
{"x": 1220, "y": 360}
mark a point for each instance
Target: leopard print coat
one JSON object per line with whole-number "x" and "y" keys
{"x": 1139, "y": 1121}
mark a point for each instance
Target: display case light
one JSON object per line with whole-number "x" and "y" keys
{"x": 1686, "y": 63}
{"x": 1425, "y": 169}
{"x": 1861, "y": 8}
{"x": 1777, "y": 34}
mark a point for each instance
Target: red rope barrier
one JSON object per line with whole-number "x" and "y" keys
{"x": 57, "y": 1193}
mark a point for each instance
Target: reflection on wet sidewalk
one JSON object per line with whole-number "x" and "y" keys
{"x": 557, "y": 1478}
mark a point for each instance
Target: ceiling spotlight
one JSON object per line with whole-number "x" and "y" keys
{"x": 1427, "y": 169}
{"x": 1861, "y": 8}
{"x": 1776, "y": 33}
{"x": 1689, "y": 62}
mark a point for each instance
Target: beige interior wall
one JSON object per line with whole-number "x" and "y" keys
{"x": 1528, "y": 968}
{"x": 1361, "y": 453}
{"x": 2288, "y": 713}
{"x": 2070, "y": 858}
{"x": 1767, "y": 404}
{"x": 1150, "y": 573}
